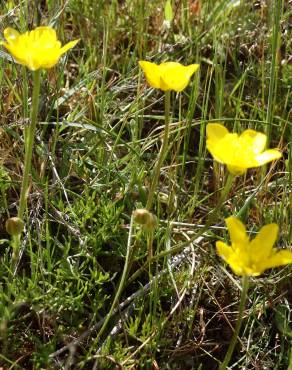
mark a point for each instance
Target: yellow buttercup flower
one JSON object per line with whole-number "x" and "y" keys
{"x": 35, "y": 49}
{"x": 239, "y": 152}
{"x": 253, "y": 257}
{"x": 169, "y": 75}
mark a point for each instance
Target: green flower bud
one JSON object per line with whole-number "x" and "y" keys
{"x": 145, "y": 218}
{"x": 14, "y": 226}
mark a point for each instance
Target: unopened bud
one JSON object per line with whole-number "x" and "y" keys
{"x": 145, "y": 218}
{"x": 14, "y": 226}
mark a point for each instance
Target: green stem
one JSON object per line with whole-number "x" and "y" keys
{"x": 121, "y": 285}
{"x": 29, "y": 141}
{"x": 29, "y": 136}
{"x": 223, "y": 197}
{"x": 180, "y": 246}
{"x": 245, "y": 283}
{"x": 162, "y": 152}
{"x": 290, "y": 358}
{"x": 277, "y": 10}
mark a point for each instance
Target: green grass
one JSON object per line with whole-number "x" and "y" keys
{"x": 96, "y": 145}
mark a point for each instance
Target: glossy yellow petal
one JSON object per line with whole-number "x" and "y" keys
{"x": 252, "y": 258}
{"x": 16, "y": 52}
{"x": 168, "y": 75}
{"x": 69, "y": 46}
{"x": 191, "y": 69}
{"x": 261, "y": 246}
{"x": 239, "y": 152}
{"x": 10, "y": 34}
{"x": 231, "y": 257}
{"x": 236, "y": 231}
{"x": 224, "y": 250}
{"x": 216, "y": 131}
{"x": 151, "y": 72}
{"x": 278, "y": 258}
{"x": 35, "y": 49}
{"x": 224, "y": 148}
{"x": 255, "y": 141}
{"x": 268, "y": 156}
{"x": 175, "y": 76}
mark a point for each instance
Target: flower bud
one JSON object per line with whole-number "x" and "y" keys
{"x": 14, "y": 226}
{"x": 145, "y": 218}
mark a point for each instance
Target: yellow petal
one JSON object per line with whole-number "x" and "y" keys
{"x": 44, "y": 34}
{"x": 68, "y": 46}
{"x": 223, "y": 146}
{"x": 152, "y": 73}
{"x": 268, "y": 156}
{"x": 224, "y": 250}
{"x": 236, "y": 231}
{"x": 168, "y": 75}
{"x": 35, "y": 49}
{"x": 33, "y": 63}
{"x": 10, "y": 34}
{"x": 16, "y": 52}
{"x": 216, "y": 131}
{"x": 255, "y": 141}
{"x": 261, "y": 246}
{"x": 231, "y": 257}
{"x": 280, "y": 258}
{"x": 191, "y": 69}
{"x": 175, "y": 76}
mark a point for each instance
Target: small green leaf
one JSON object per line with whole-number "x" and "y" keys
{"x": 168, "y": 13}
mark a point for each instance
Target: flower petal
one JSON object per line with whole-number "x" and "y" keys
{"x": 216, "y": 131}
{"x": 10, "y": 34}
{"x": 35, "y": 49}
{"x": 255, "y": 141}
{"x": 236, "y": 231}
{"x": 230, "y": 257}
{"x": 220, "y": 142}
{"x": 224, "y": 250}
{"x": 268, "y": 156}
{"x": 68, "y": 46}
{"x": 152, "y": 73}
{"x": 174, "y": 76}
{"x": 261, "y": 246}
{"x": 280, "y": 258}
{"x": 191, "y": 69}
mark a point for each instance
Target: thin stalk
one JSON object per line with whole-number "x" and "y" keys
{"x": 28, "y": 145}
{"x": 122, "y": 282}
{"x": 290, "y": 188}
{"x": 245, "y": 284}
{"x": 162, "y": 152}
{"x": 29, "y": 141}
{"x": 290, "y": 359}
{"x": 277, "y": 10}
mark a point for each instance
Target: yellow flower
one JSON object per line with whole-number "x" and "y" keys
{"x": 169, "y": 75}
{"x": 35, "y": 49}
{"x": 253, "y": 257}
{"x": 239, "y": 152}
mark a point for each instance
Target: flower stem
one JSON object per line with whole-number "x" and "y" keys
{"x": 162, "y": 151}
{"x": 290, "y": 358}
{"x": 245, "y": 284}
{"x": 29, "y": 141}
{"x": 224, "y": 193}
{"x": 122, "y": 282}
